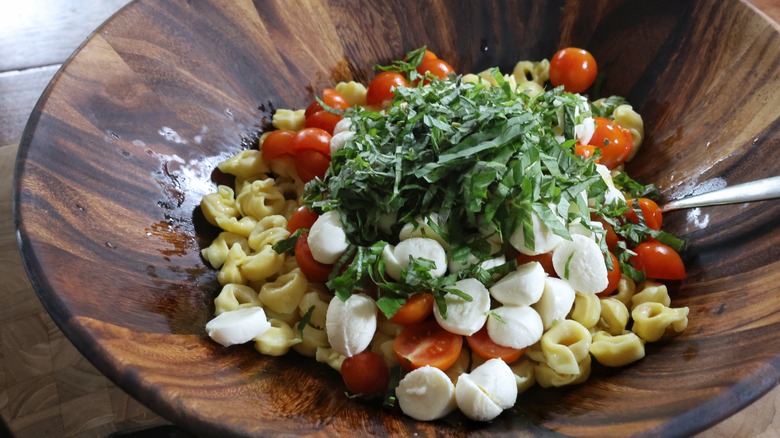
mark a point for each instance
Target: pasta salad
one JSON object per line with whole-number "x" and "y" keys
{"x": 447, "y": 241}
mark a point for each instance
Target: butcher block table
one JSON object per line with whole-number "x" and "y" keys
{"x": 47, "y": 389}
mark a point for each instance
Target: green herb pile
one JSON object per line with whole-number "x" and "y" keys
{"x": 481, "y": 158}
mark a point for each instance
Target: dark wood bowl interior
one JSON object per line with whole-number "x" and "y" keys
{"x": 123, "y": 144}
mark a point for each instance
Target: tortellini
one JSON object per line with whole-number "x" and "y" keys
{"x": 252, "y": 273}
{"x": 654, "y": 320}
{"x": 288, "y": 119}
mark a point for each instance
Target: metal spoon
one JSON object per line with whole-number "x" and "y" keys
{"x": 760, "y": 190}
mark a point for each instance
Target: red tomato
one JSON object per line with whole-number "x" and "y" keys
{"x": 484, "y": 347}
{"x": 416, "y": 309}
{"x": 314, "y": 271}
{"x": 659, "y": 261}
{"x": 427, "y": 343}
{"x": 301, "y": 218}
{"x": 584, "y": 150}
{"x": 427, "y": 55}
{"x": 650, "y": 210}
{"x": 310, "y": 164}
{"x": 365, "y": 373}
{"x": 323, "y": 120}
{"x": 381, "y": 87}
{"x": 612, "y": 237}
{"x": 573, "y": 68}
{"x": 610, "y": 138}
{"x": 437, "y": 67}
{"x": 332, "y": 98}
{"x": 545, "y": 259}
{"x": 277, "y": 143}
{"x": 613, "y": 276}
{"x": 311, "y": 139}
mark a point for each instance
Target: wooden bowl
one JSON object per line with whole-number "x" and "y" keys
{"x": 122, "y": 146}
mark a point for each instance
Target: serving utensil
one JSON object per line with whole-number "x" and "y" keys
{"x": 759, "y": 190}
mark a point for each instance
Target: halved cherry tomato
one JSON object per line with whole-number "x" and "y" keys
{"x": 314, "y": 271}
{"x": 315, "y": 139}
{"x": 310, "y": 164}
{"x": 610, "y": 138}
{"x": 277, "y": 143}
{"x": 416, "y": 309}
{"x": 332, "y": 98}
{"x": 573, "y": 68}
{"x": 584, "y": 150}
{"x": 323, "y": 120}
{"x": 381, "y": 87}
{"x": 437, "y": 67}
{"x": 658, "y": 261}
{"x": 612, "y": 237}
{"x": 365, "y": 373}
{"x": 545, "y": 259}
{"x": 613, "y": 276}
{"x": 484, "y": 347}
{"x": 650, "y": 211}
{"x": 427, "y": 343}
{"x": 301, "y": 218}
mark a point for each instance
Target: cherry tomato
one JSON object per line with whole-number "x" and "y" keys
{"x": 612, "y": 237}
{"x": 484, "y": 347}
{"x": 650, "y": 210}
{"x": 277, "y": 143}
{"x": 659, "y": 261}
{"x": 416, "y": 309}
{"x": 427, "y": 343}
{"x": 311, "y": 139}
{"x": 573, "y": 68}
{"x": 310, "y": 164}
{"x": 437, "y": 67}
{"x": 332, "y": 98}
{"x": 427, "y": 55}
{"x": 314, "y": 271}
{"x": 381, "y": 87}
{"x": 545, "y": 259}
{"x": 301, "y": 218}
{"x": 584, "y": 150}
{"x": 613, "y": 276}
{"x": 323, "y": 120}
{"x": 365, "y": 373}
{"x": 610, "y": 138}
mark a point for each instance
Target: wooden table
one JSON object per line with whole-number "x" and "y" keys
{"x": 46, "y": 387}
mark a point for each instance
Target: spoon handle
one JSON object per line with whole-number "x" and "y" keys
{"x": 760, "y": 190}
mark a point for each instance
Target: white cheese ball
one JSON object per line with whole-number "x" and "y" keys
{"x": 426, "y": 394}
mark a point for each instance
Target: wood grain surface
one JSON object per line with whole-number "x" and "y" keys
{"x": 106, "y": 199}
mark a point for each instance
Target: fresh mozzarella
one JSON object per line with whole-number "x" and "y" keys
{"x": 523, "y": 286}
{"x": 426, "y": 394}
{"x": 613, "y": 193}
{"x": 420, "y": 228}
{"x": 515, "y": 326}
{"x": 497, "y": 380}
{"x": 338, "y": 141}
{"x": 351, "y": 324}
{"x": 585, "y": 130}
{"x": 327, "y": 239}
{"x": 581, "y": 263}
{"x": 556, "y": 302}
{"x": 473, "y": 401}
{"x": 465, "y": 317}
{"x": 456, "y": 266}
{"x": 544, "y": 238}
{"x": 484, "y": 393}
{"x": 397, "y": 258}
{"x": 238, "y": 326}
{"x": 343, "y": 125}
